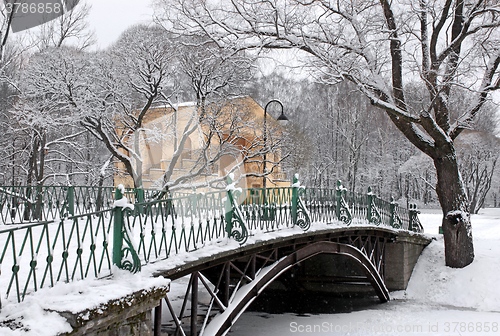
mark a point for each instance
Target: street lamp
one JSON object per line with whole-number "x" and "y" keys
{"x": 282, "y": 120}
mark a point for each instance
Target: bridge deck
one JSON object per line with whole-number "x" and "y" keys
{"x": 176, "y": 271}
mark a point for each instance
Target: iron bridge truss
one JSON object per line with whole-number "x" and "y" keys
{"x": 233, "y": 282}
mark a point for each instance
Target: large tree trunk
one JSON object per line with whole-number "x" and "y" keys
{"x": 457, "y": 230}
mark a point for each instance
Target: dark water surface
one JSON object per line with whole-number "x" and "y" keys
{"x": 277, "y": 302}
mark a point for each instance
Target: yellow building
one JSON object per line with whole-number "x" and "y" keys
{"x": 188, "y": 145}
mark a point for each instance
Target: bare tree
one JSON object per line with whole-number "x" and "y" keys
{"x": 336, "y": 134}
{"x": 478, "y": 154}
{"x": 44, "y": 118}
{"x": 215, "y": 75}
{"x": 417, "y": 178}
{"x": 377, "y": 45}
{"x": 140, "y": 74}
{"x": 71, "y": 27}
{"x": 39, "y": 134}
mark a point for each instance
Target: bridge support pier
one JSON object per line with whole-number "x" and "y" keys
{"x": 157, "y": 320}
{"x": 401, "y": 256}
{"x": 128, "y": 316}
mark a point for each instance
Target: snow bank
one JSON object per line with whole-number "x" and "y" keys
{"x": 476, "y": 286}
{"x": 37, "y": 316}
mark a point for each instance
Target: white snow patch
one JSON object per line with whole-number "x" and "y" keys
{"x": 37, "y": 316}
{"x": 232, "y": 187}
{"x": 121, "y": 187}
{"x": 123, "y": 203}
{"x": 474, "y": 286}
{"x": 457, "y": 213}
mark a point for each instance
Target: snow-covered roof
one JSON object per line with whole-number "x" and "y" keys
{"x": 185, "y": 104}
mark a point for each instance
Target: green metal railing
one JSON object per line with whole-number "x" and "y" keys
{"x": 137, "y": 229}
{"x": 41, "y": 254}
{"x": 28, "y": 204}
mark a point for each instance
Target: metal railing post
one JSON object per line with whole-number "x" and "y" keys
{"x": 300, "y": 214}
{"x": 338, "y": 201}
{"x": 370, "y": 205}
{"x": 414, "y": 224}
{"x": 393, "y": 210}
{"x": 124, "y": 257}
{"x": 395, "y": 221}
{"x": 235, "y": 223}
{"x": 118, "y": 231}
{"x": 70, "y": 198}
{"x": 295, "y": 198}
{"x": 342, "y": 211}
{"x": 372, "y": 214}
{"x": 140, "y": 199}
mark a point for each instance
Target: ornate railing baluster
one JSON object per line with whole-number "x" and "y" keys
{"x": 342, "y": 211}
{"x": 395, "y": 220}
{"x": 235, "y": 223}
{"x": 300, "y": 214}
{"x": 122, "y": 233}
{"x": 414, "y": 224}
{"x": 373, "y": 215}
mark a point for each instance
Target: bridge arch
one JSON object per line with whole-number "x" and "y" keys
{"x": 221, "y": 324}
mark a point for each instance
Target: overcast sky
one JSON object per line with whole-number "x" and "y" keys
{"x": 109, "y": 18}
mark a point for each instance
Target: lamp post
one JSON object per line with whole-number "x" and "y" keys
{"x": 282, "y": 120}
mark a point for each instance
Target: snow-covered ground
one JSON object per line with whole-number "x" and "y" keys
{"x": 438, "y": 301}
